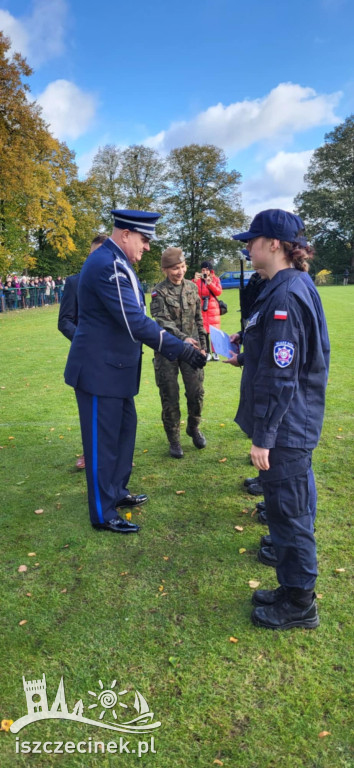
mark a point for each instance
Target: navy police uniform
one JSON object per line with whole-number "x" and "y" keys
{"x": 281, "y": 408}
{"x": 68, "y": 311}
{"x": 104, "y": 368}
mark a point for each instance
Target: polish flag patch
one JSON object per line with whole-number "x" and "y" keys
{"x": 280, "y": 314}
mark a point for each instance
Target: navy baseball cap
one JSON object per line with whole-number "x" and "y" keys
{"x": 137, "y": 221}
{"x": 274, "y": 222}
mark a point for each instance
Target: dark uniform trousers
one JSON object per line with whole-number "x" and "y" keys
{"x": 290, "y": 497}
{"x": 108, "y": 427}
{"x": 166, "y": 375}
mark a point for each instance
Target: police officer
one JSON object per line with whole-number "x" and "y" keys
{"x": 69, "y": 311}
{"x": 105, "y": 360}
{"x": 281, "y": 408}
{"x": 176, "y": 307}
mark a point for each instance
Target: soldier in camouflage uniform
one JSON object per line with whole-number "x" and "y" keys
{"x": 176, "y": 307}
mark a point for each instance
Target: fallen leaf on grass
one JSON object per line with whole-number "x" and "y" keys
{"x": 323, "y": 734}
{"x": 124, "y": 573}
{"x": 63, "y": 591}
{"x": 28, "y": 594}
{"x": 253, "y": 584}
{"x": 245, "y": 511}
{"x": 339, "y": 570}
{"x": 222, "y": 461}
{"x": 5, "y": 724}
{"x": 3, "y": 387}
{"x": 161, "y": 588}
{"x": 32, "y": 554}
{"x": 11, "y": 438}
{"x": 221, "y": 425}
{"x": 58, "y": 505}
{"x": 173, "y": 660}
{"x": 61, "y": 437}
{"x": 179, "y": 493}
{"x": 233, "y": 640}
{"x": 165, "y": 557}
{"x": 218, "y": 762}
{"x": 242, "y": 550}
{"x": 38, "y": 511}
{"x": 52, "y": 429}
{"x": 21, "y": 623}
{"x": 128, "y": 515}
{"x": 339, "y": 437}
{"x": 65, "y": 546}
{"x": 146, "y": 450}
{"x": 254, "y": 511}
{"x": 238, "y": 528}
{"x": 319, "y": 596}
{"x": 22, "y": 569}
{"x": 36, "y": 564}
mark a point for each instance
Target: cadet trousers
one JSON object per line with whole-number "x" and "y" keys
{"x": 290, "y": 494}
{"x": 108, "y": 428}
{"x": 166, "y": 376}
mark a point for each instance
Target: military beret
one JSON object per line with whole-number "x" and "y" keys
{"x": 172, "y": 256}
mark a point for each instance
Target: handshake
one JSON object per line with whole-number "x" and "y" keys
{"x": 195, "y": 357}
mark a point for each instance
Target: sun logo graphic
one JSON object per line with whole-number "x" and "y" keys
{"x": 106, "y": 703}
{"x": 107, "y": 699}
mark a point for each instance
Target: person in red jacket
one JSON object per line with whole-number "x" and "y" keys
{"x": 209, "y": 287}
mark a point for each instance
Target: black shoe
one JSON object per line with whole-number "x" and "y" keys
{"x": 262, "y": 517}
{"x": 176, "y": 450}
{"x": 250, "y": 481}
{"x": 197, "y": 437}
{"x": 132, "y": 501}
{"x": 285, "y": 615}
{"x": 267, "y": 556}
{"x": 266, "y": 541}
{"x": 269, "y": 596}
{"x": 117, "y": 525}
{"x": 261, "y": 507}
{"x": 255, "y": 489}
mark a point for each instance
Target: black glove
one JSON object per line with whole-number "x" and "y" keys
{"x": 192, "y": 356}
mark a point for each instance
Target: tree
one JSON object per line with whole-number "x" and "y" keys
{"x": 327, "y": 205}
{"x": 105, "y": 174}
{"x": 87, "y": 215}
{"x": 204, "y": 203}
{"x": 143, "y": 178}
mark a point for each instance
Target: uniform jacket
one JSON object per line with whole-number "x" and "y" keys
{"x": 177, "y": 309}
{"x": 212, "y": 314}
{"x": 68, "y": 312}
{"x": 105, "y": 354}
{"x": 284, "y": 375}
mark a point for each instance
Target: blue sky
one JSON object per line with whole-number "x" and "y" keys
{"x": 264, "y": 80}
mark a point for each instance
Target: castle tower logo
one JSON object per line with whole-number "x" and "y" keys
{"x": 105, "y": 704}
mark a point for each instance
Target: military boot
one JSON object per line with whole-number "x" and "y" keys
{"x": 176, "y": 450}
{"x": 197, "y": 437}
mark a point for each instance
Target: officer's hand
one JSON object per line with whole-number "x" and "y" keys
{"x": 196, "y": 358}
{"x": 194, "y": 343}
{"x": 233, "y": 359}
{"x": 235, "y": 338}
{"x": 260, "y": 457}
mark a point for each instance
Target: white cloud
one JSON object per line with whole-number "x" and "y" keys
{"x": 68, "y": 110}
{"x": 39, "y": 36}
{"x": 287, "y": 109}
{"x": 276, "y": 187}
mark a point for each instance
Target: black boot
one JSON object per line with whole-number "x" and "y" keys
{"x": 197, "y": 437}
{"x": 267, "y": 556}
{"x": 266, "y": 541}
{"x": 176, "y": 450}
{"x": 268, "y": 596}
{"x": 285, "y": 614}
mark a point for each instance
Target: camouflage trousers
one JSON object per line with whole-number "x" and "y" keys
{"x": 166, "y": 375}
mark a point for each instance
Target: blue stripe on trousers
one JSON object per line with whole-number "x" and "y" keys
{"x": 94, "y": 458}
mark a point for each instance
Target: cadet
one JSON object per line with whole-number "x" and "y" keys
{"x": 105, "y": 360}
{"x": 176, "y": 307}
{"x": 281, "y": 408}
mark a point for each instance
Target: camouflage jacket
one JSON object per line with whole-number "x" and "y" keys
{"x": 178, "y": 310}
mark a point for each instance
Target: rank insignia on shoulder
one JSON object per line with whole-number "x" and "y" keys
{"x": 118, "y": 274}
{"x": 279, "y": 314}
{"x": 283, "y": 353}
{"x": 252, "y": 321}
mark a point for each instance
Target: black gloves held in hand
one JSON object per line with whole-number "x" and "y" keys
{"x": 194, "y": 357}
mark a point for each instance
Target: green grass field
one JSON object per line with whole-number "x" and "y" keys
{"x": 156, "y": 611}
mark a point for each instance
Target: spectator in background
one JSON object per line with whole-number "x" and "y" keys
{"x": 345, "y": 276}
{"x": 209, "y": 287}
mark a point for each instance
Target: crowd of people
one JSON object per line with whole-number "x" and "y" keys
{"x": 285, "y": 362}
{"x": 23, "y": 292}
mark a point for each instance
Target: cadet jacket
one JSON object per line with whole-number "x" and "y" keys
{"x": 105, "y": 354}
{"x": 284, "y": 376}
{"x": 68, "y": 312}
{"x": 177, "y": 309}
